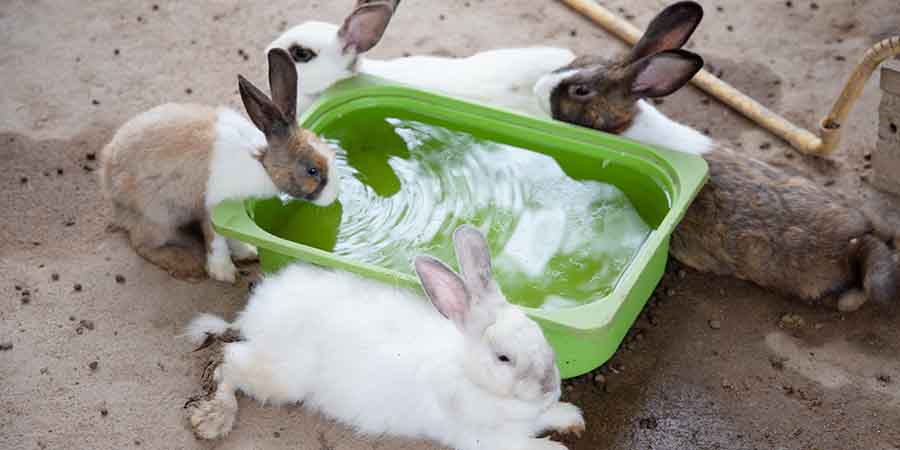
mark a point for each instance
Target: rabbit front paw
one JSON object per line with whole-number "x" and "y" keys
{"x": 564, "y": 418}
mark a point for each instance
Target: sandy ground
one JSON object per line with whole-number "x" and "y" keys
{"x": 73, "y": 71}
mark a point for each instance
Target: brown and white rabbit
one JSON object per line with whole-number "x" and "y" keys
{"x": 752, "y": 221}
{"x": 166, "y": 168}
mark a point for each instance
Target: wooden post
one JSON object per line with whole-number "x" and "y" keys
{"x": 886, "y": 159}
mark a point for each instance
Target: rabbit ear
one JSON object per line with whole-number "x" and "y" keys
{"x": 283, "y": 83}
{"x": 264, "y": 114}
{"x": 364, "y": 27}
{"x": 669, "y": 30}
{"x": 474, "y": 259}
{"x": 664, "y": 73}
{"x": 444, "y": 288}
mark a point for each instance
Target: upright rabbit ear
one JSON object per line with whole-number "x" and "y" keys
{"x": 669, "y": 30}
{"x": 474, "y": 259}
{"x": 444, "y": 288}
{"x": 264, "y": 114}
{"x": 283, "y": 83}
{"x": 364, "y": 27}
{"x": 664, "y": 73}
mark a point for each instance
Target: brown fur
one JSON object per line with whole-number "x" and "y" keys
{"x": 144, "y": 171}
{"x": 755, "y": 222}
{"x": 751, "y": 220}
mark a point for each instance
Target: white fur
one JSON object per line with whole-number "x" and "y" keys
{"x": 382, "y": 360}
{"x": 330, "y": 66}
{"x": 204, "y": 325}
{"x": 650, "y": 126}
{"x": 234, "y": 172}
{"x": 504, "y": 77}
{"x": 499, "y": 77}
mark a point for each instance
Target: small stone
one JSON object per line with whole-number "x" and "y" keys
{"x": 45, "y": 370}
{"x": 649, "y": 423}
{"x": 670, "y": 292}
{"x": 573, "y": 33}
{"x": 188, "y": 91}
{"x": 23, "y": 180}
{"x": 77, "y": 287}
{"x": 884, "y": 378}
{"x": 789, "y": 4}
{"x": 851, "y": 301}
{"x": 155, "y": 7}
{"x": 777, "y": 363}
{"x": 60, "y": 171}
{"x": 116, "y": 52}
{"x": 90, "y": 156}
{"x": 729, "y": 28}
{"x": 814, "y": 6}
{"x": 715, "y": 324}
{"x": 54, "y": 277}
{"x": 720, "y": 8}
{"x": 765, "y": 146}
{"x": 600, "y": 379}
{"x": 94, "y": 365}
{"x": 120, "y": 279}
{"x": 6, "y": 346}
{"x": 276, "y": 434}
{"x": 95, "y": 102}
{"x": 104, "y": 412}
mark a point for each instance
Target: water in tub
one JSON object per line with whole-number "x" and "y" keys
{"x": 556, "y": 241}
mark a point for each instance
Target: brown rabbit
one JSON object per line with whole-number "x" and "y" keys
{"x": 166, "y": 168}
{"x": 751, "y": 220}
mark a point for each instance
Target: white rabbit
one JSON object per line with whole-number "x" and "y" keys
{"x": 325, "y": 54}
{"x": 474, "y": 372}
{"x": 752, "y": 220}
{"x": 165, "y": 169}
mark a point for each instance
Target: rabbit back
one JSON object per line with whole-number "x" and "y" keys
{"x": 158, "y": 162}
{"x": 351, "y": 348}
{"x": 759, "y": 223}
{"x": 502, "y": 77}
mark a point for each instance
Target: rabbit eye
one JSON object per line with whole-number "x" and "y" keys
{"x": 301, "y": 54}
{"x": 581, "y": 91}
{"x": 503, "y": 358}
{"x": 312, "y": 171}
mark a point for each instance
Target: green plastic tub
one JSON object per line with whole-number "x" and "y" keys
{"x": 659, "y": 183}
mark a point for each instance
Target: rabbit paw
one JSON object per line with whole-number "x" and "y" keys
{"x": 211, "y": 419}
{"x": 242, "y": 251}
{"x": 564, "y": 418}
{"x": 221, "y": 269}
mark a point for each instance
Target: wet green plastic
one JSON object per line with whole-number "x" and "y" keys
{"x": 659, "y": 183}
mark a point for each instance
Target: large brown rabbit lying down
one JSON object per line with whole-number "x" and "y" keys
{"x": 752, "y": 221}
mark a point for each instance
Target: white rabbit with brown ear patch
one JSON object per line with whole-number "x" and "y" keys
{"x": 325, "y": 54}
{"x": 471, "y": 372}
{"x": 751, "y": 220}
{"x": 166, "y": 168}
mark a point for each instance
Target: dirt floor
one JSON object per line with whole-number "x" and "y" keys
{"x": 89, "y": 354}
